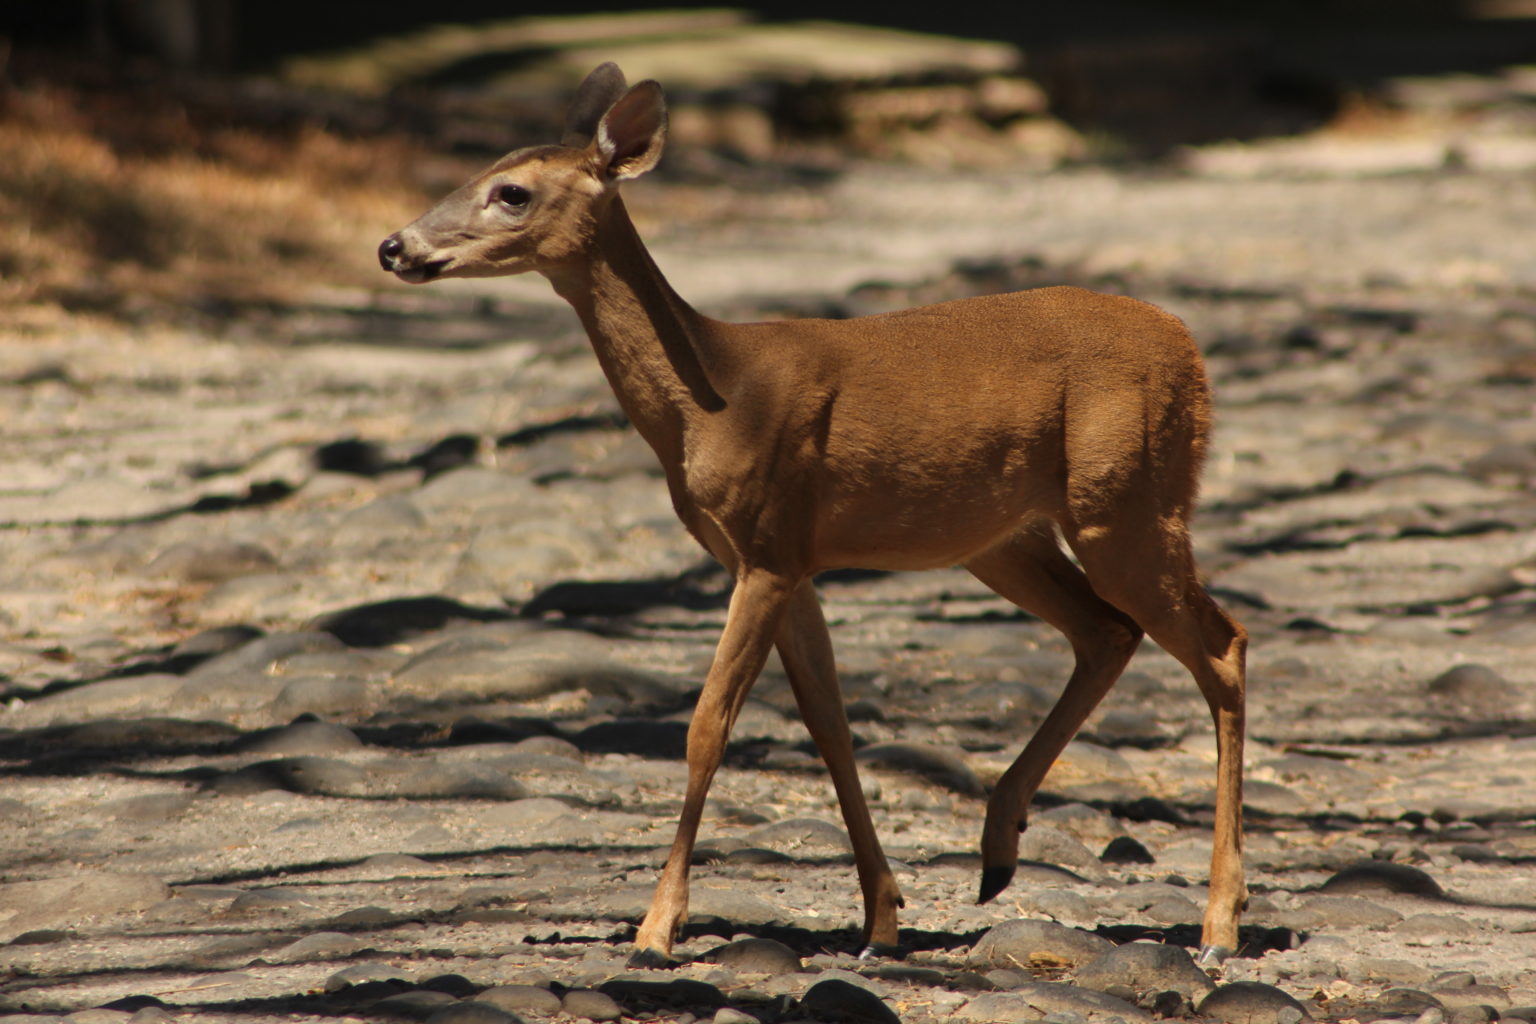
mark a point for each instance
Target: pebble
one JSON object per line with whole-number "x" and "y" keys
{"x": 943, "y": 766}
{"x": 75, "y": 899}
{"x": 842, "y": 1002}
{"x": 1126, "y": 850}
{"x": 1324, "y": 911}
{"x": 470, "y": 1012}
{"x": 1382, "y": 877}
{"x": 522, "y": 998}
{"x": 1145, "y": 967}
{"x": 802, "y": 837}
{"x": 755, "y": 956}
{"x": 319, "y": 946}
{"x": 1052, "y": 846}
{"x": 1054, "y": 1000}
{"x": 361, "y": 973}
{"x": 1476, "y": 687}
{"x": 590, "y": 1005}
{"x": 304, "y": 736}
{"x": 1024, "y": 943}
{"x": 1252, "y": 1002}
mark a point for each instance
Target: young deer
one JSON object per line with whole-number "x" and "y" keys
{"x": 970, "y": 432}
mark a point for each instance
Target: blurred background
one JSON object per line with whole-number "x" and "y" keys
{"x": 188, "y": 158}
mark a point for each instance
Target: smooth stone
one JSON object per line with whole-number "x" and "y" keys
{"x": 358, "y": 974}
{"x": 1252, "y": 1002}
{"x": 72, "y": 900}
{"x": 1025, "y": 943}
{"x": 1473, "y": 995}
{"x": 322, "y": 695}
{"x": 319, "y": 946}
{"x": 998, "y": 1008}
{"x": 417, "y": 1004}
{"x": 1146, "y": 967}
{"x": 1052, "y": 1000}
{"x": 1088, "y": 824}
{"x": 261, "y": 655}
{"x": 99, "y": 1015}
{"x": 212, "y": 562}
{"x": 1405, "y": 1002}
{"x": 1382, "y": 877}
{"x": 1053, "y": 846}
{"x": 472, "y": 1012}
{"x": 314, "y": 775}
{"x": 400, "y": 619}
{"x": 435, "y": 781}
{"x": 1068, "y": 908}
{"x": 809, "y": 837}
{"x": 150, "y": 807}
{"x": 676, "y": 992}
{"x": 943, "y": 766}
{"x": 159, "y": 733}
{"x": 513, "y": 998}
{"x": 537, "y": 664}
{"x": 731, "y": 1015}
{"x": 1475, "y": 1014}
{"x": 589, "y": 1004}
{"x": 42, "y": 937}
{"x": 1388, "y": 971}
{"x": 1126, "y": 850}
{"x": 264, "y": 901}
{"x": 554, "y": 775}
{"x": 112, "y": 698}
{"x": 756, "y": 956}
{"x": 841, "y": 1001}
{"x": 218, "y": 640}
{"x": 1328, "y": 911}
{"x": 303, "y": 737}
{"x": 1475, "y": 686}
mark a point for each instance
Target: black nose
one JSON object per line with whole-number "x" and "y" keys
{"x": 388, "y": 250}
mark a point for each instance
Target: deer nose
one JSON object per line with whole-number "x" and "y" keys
{"x": 389, "y": 250}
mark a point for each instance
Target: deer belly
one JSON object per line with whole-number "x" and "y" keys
{"x": 931, "y": 530}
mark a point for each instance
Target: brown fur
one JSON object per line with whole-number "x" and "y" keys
{"x": 971, "y": 432}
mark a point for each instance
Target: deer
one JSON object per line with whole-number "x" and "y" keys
{"x": 1050, "y": 441}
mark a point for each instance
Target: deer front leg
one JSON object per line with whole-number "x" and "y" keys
{"x": 806, "y": 649}
{"x": 756, "y": 609}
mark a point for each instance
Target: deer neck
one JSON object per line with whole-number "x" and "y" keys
{"x": 653, "y": 347}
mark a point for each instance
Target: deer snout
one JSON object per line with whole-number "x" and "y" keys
{"x": 389, "y": 252}
{"x": 412, "y": 267}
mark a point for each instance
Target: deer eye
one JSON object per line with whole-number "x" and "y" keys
{"x": 514, "y": 196}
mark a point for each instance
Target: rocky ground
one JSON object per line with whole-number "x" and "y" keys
{"x": 349, "y": 654}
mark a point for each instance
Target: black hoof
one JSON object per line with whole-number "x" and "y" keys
{"x": 652, "y": 960}
{"x": 880, "y": 951}
{"x": 993, "y": 881}
{"x": 1213, "y": 956}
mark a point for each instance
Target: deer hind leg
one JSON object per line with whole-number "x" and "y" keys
{"x": 1146, "y": 568}
{"x": 757, "y": 607}
{"x": 1031, "y": 570}
{"x": 806, "y": 650}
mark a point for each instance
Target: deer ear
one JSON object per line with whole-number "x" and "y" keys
{"x": 596, "y": 93}
{"x": 631, "y": 134}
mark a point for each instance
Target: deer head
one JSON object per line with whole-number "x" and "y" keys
{"x": 537, "y": 208}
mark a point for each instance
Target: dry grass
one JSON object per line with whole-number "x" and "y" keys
{"x": 134, "y": 210}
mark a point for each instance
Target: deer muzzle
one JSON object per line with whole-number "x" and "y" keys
{"x": 394, "y": 258}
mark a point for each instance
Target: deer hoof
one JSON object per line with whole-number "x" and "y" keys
{"x": 993, "y": 881}
{"x": 880, "y": 951}
{"x": 1213, "y": 956}
{"x": 651, "y": 959}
